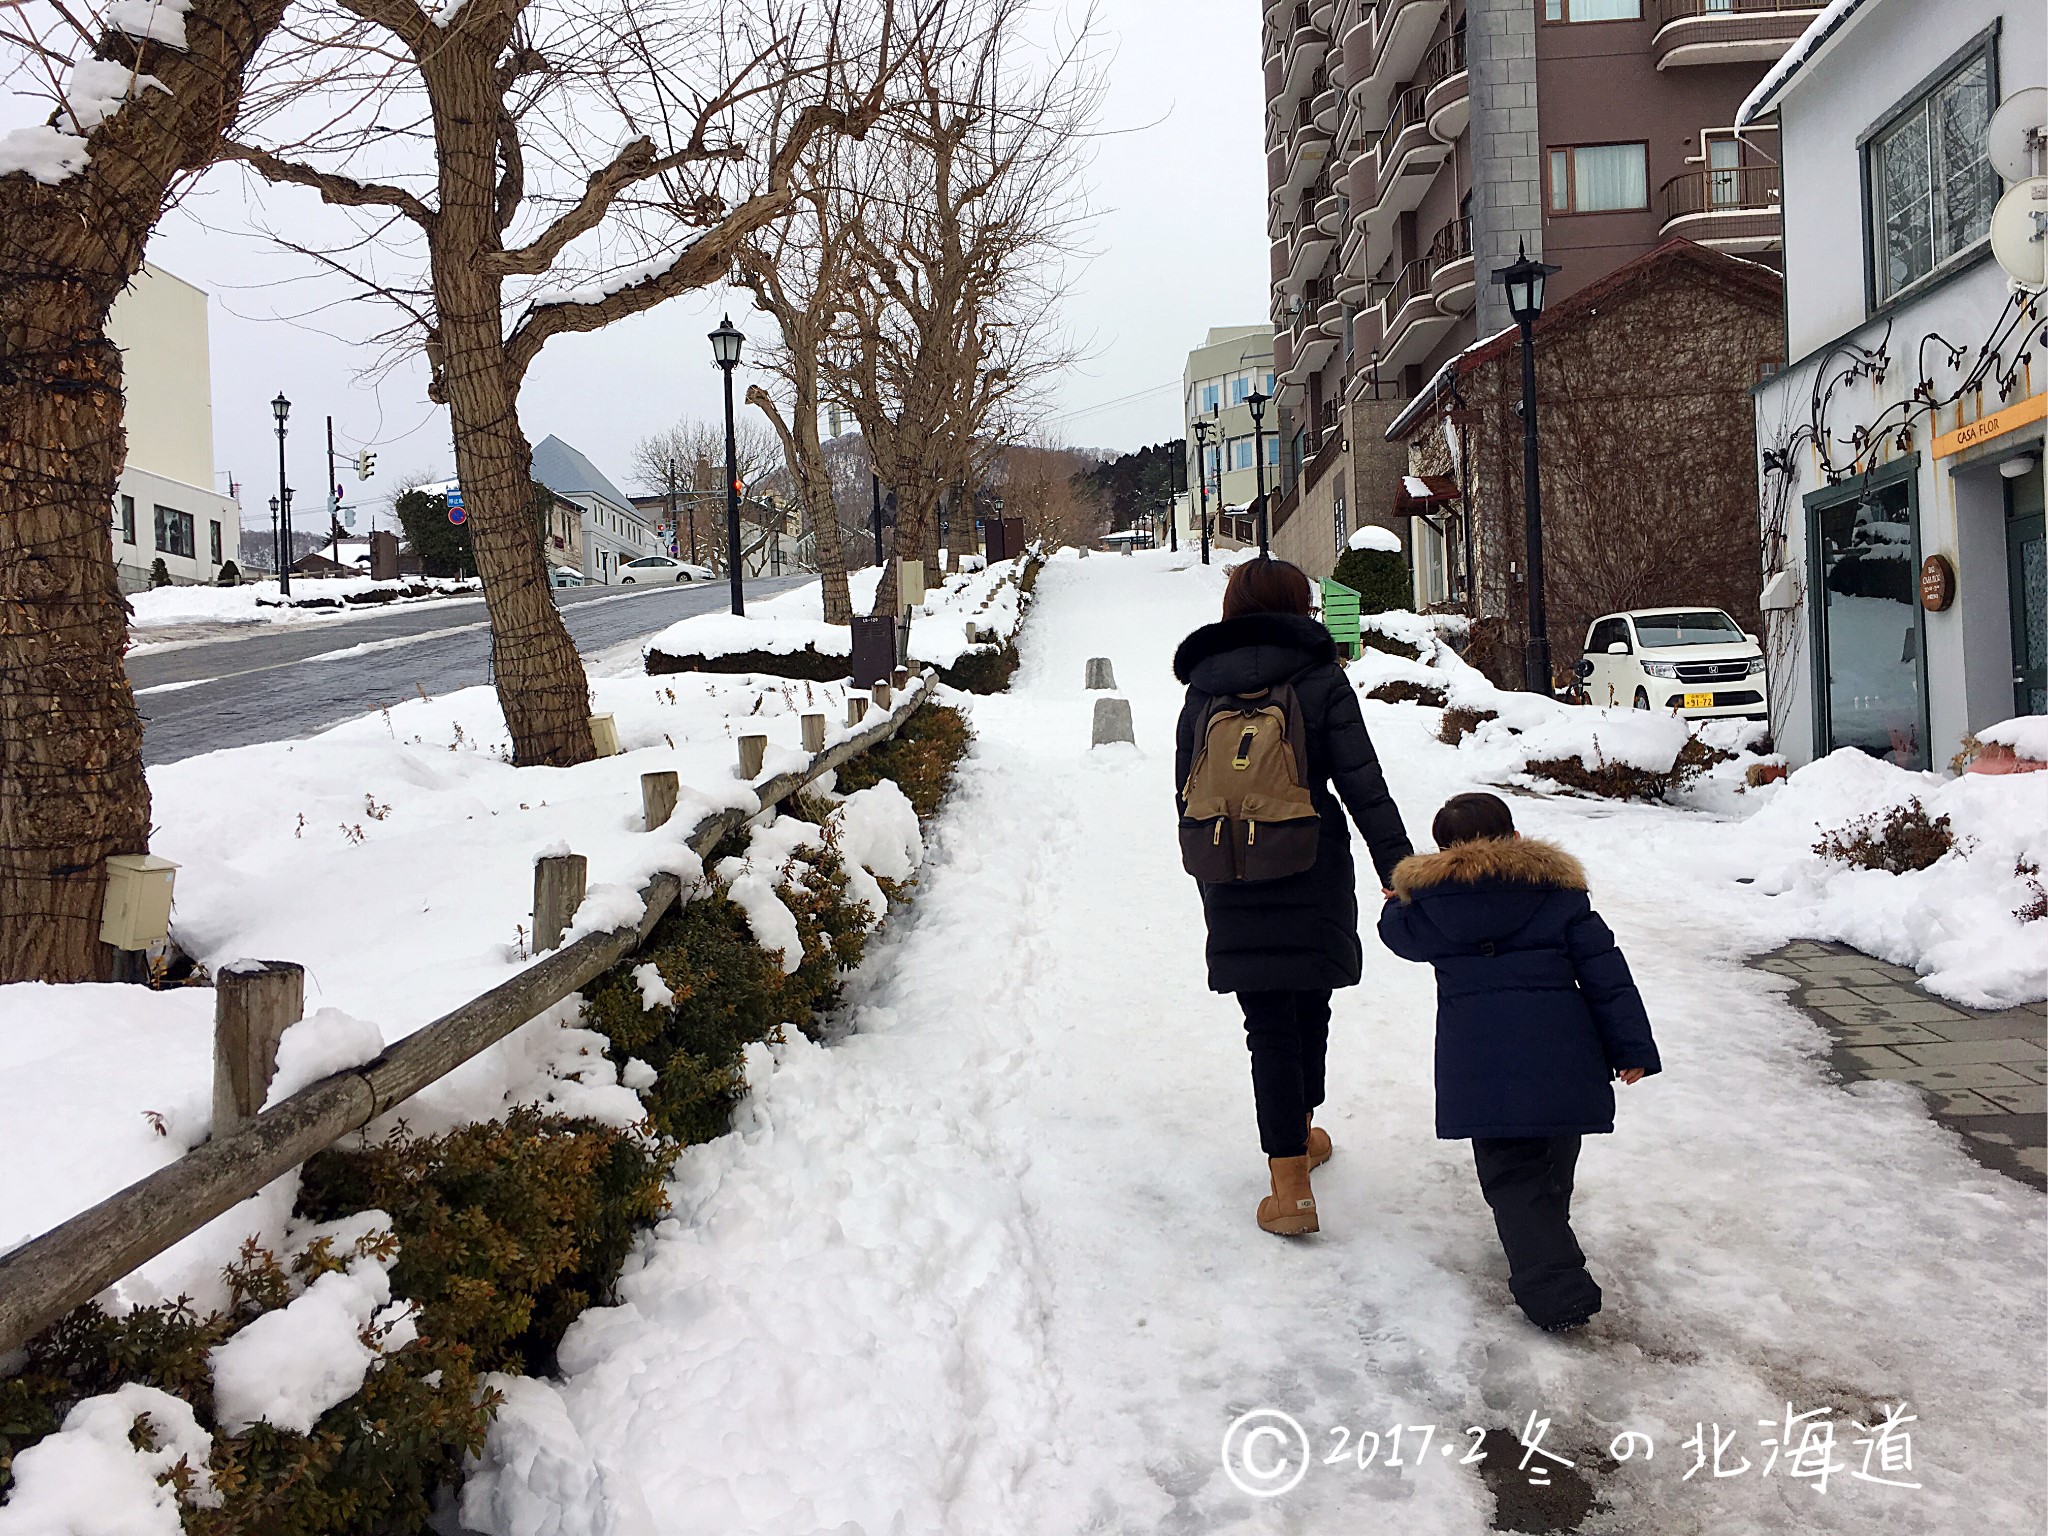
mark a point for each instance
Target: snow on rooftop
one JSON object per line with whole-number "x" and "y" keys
{"x": 1780, "y": 74}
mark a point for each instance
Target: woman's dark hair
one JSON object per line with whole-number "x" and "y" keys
{"x": 1468, "y": 818}
{"x": 1266, "y": 586}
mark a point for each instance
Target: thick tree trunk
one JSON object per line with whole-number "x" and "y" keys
{"x": 815, "y": 482}
{"x": 72, "y": 789}
{"x": 540, "y": 680}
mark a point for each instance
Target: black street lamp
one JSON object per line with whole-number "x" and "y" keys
{"x": 726, "y": 342}
{"x": 281, "y": 408}
{"x": 1524, "y": 283}
{"x": 1202, "y": 429}
{"x": 1257, "y": 400}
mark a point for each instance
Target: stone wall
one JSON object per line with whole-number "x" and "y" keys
{"x": 1507, "y": 177}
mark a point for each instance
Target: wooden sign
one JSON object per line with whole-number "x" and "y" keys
{"x": 1937, "y": 583}
{"x": 2008, "y": 419}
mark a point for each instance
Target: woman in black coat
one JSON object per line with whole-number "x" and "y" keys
{"x": 1283, "y": 945}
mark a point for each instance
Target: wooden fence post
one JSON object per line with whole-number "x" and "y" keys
{"x": 901, "y": 678}
{"x": 880, "y": 694}
{"x": 814, "y": 734}
{"x": 252, "y": 1007}
{"x": 559, "y": 882}
{"x": 856, "y": 711}
{"x": 658, "y": 794}
{"x": 753, "y": 752}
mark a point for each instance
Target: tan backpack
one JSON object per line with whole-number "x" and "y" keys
{"x": 1247, "y": 810}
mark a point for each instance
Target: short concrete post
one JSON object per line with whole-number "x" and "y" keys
{"x": 856, "y": 710}
{"x": 559, "y": 882}
{"x": 1113, "y": 722}
{"x": 753, "y": 752}
{"x": 880, "y": 694}
{"x": 658, "y": 792}
{"x": 1100, "y": 673}
{"x": 253, "y": 1004}
{"x": 814, "y": 734}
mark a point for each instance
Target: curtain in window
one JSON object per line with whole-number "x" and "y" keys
{"x": 1606, "y": 10}
{"x": 1724, "y": 190}
{"x": 1966, "y": 186}
{"x": 1610, "y": 176}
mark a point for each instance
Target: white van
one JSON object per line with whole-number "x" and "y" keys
{"x": 1694, "y": 662}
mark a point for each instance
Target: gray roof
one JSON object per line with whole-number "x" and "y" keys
{"x": 567, "y": 473}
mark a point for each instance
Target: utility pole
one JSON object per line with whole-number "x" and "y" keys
{"x": 333, "y": 496}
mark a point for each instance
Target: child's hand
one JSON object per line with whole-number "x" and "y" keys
{"x": 1630, "y": 1074}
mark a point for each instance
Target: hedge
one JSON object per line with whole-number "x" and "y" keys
{"x": 504, "y": 1230}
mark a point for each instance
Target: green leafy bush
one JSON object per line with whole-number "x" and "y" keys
{"x": 1379, "y": 576}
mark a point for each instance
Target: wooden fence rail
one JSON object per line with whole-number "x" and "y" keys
{"x": 50, "y": 1275}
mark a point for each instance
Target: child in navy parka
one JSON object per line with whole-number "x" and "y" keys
{"x": 1536, "y": 1015}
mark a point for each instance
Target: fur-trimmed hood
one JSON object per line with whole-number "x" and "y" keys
{"x": 1251, "y": 652}
{"x": 1490, "y": 861}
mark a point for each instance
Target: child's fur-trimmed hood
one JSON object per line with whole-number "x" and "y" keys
{"x": 1490, "y": 861}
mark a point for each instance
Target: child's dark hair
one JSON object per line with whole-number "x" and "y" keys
{"x": 1468, "y": 818}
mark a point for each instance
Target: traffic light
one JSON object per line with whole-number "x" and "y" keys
{"x": 366, "y": 464}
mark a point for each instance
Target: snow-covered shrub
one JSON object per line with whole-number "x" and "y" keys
{"x": 1379, "y": 577}
{"x": 920, "y": 758}
{"x": 159, "y": 573}
{"x": 1610, "y": 779}
{"x": 983, "y": 669}
{"x": 1459, "y": 722}
{"x": 1403, "y": 691}
{"x": 230, "y": 575}
{"x": 1899, "y": 840}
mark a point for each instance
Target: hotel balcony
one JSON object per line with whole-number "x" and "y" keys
{"x": 1354, "y": 283}
{"x": 1307, "y": 249}
{"x": 1308, "y": 349}
{"x": 1330, "y": 215}
{"x": 1406, "y": 160}
{"x": 1401, "y": 31}
{"x": 1325, "y": 105}
{"x": 1410, "y": 318}
{"x": 1452, "y": 279}
{"x": 1726, "y": 31}
{"x": 1447, "y": 88}
{"x": 1735, "y": 209}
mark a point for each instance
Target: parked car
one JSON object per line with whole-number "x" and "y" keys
{"x": 564, "y": 576}
{"x": 661, "y": 568}
{"x": 1695, "y": 662}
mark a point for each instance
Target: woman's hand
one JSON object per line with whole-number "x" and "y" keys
{"x": 1630, "y": 1074}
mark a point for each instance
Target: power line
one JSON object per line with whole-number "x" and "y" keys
{"x": 1142, "y": 394}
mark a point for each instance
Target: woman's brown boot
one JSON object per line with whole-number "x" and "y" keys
{"x": 1318, "y": 1146}
{"x": 1290, "y": 1211}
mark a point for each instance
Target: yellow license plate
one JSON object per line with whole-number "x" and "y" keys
{"x": 1699, "y": 701}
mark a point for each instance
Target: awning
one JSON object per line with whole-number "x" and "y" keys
{"x": 1423, "y": 495}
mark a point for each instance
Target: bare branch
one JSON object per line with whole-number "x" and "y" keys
{"x": 342, "y": 191}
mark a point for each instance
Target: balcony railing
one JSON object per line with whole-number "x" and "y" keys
{"x": 1452, "y": 242}
{"x": 1446, "y": 59}
{"x": 1407, "y": 114}
{"x": 1664, "y": 12}
{"x": 1726, "y": 31}
{"x": 1729, "y": 189}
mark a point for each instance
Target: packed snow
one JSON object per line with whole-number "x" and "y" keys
{"x": 259, "y": 602}
{"x": 988, "y": 1265}
{"x": 2027, "y": 736}
{"x": 91, "y": 1479}
{"x": 1373, "y": 536}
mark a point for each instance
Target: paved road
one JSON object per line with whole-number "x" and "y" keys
{"x": 276, "y": 684}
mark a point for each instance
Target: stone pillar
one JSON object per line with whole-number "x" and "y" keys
{"x": 1507, "y": 146}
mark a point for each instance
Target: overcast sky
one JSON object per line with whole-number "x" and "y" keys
{"x": 1178, "y": 181}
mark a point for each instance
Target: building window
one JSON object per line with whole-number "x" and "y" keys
{"x": 1598, "y": 10}
{"x": 1241, "y": 453}
{"x": 174, "y": 532}
{"x": 1599, "y": 178}
{"x": 1211, "y": 393}
{"x": 127, "y": 519}
{"x": 213, "y": 539}
{"x": 1339, "y": 514}
{"x": 1931, "y": 188}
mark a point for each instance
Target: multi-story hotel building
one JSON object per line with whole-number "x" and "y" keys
{"x": 1414, "y": 146}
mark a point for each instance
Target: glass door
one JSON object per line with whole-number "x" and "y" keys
{"x": 1874, "y": 697}
{"x": 2027, "y": 575}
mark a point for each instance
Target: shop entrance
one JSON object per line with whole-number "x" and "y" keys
{"x": 2026, "y": 552}
{"x": 1871, "y": 653}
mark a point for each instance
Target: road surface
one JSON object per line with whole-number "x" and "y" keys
{"x": 279, "y": 683}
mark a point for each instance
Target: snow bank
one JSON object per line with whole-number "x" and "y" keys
{"x": 1372, "y": 536}
{"x": 538, "y": 1477}
{"x": 90, "y": 1479}
{"x": 259, "y": 602}
{"x": 2027, "y": 736}
{"x": 1958, "y": 922}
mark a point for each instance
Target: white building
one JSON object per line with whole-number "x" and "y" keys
{"x": 614, "y": 530}
{"x": 1231, "y": 364}
{"x": 1900, "y": 449}
{"x": 165, "y": 507}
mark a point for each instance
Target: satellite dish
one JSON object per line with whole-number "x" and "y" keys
{"x": 2013, "y": 139}
{"x": 2019, "y": 233}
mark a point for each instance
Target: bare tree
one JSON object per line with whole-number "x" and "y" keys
{"x": 973, "y": 208}
{"x": 687, "y": 461}
{"x": 1050, "y": 489}
{"x": 528, "y": 229}
{"x": 141, "y": 99}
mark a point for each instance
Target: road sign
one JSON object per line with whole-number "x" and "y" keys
{"x": 456, "y": 514}
{"x": 453, "y": 495}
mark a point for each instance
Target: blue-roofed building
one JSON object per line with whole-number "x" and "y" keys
{"x": 614, "y": 530}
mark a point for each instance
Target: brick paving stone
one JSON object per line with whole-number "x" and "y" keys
{"x": 1983, "y": 1075}
{"x": 1956, "y": 1053}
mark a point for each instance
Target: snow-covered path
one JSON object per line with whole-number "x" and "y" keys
{"x": 987, "y": 1265}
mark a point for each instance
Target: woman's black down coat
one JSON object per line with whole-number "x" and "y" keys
{"x": 1298, "y": 934}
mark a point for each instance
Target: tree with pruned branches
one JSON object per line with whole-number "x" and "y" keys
{"x": 587, "y": 163}
{"x": 140, "y": 98}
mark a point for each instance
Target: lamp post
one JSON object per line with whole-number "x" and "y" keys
{"x": 726, "y": 342}
{"x": 1257, "y": 401}
{"x": 875, "y": 483}
{"x": 1524, "y": 283}
{"x": 1202, "y": 429}
{"x": 281, "y": 408}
